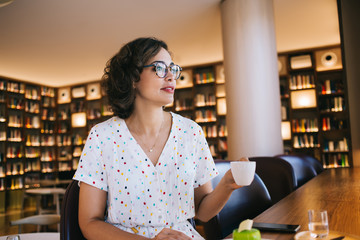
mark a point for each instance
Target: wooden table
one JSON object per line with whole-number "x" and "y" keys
{"x": 335, "y": 190}
{"x": 36, "y": 236}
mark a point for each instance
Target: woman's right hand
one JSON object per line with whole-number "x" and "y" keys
{"x": 169, "y": 234}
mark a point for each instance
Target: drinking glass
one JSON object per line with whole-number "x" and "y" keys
{"x": 13, "y": 237}
{"x": 318, "y": 223}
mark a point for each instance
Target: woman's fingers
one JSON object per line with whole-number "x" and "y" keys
{"x": 170, "y": 234}
{"x": 245, "y": 159}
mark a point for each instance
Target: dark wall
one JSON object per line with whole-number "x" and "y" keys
{"x": 349, "y": 19}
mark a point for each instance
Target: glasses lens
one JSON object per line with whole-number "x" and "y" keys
{"x": 175, "y": 70}
{"x": 160, "y": 69}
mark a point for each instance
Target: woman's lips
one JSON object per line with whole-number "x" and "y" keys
{"x": 168, "y": 89}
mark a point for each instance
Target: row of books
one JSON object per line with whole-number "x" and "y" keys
{"x": 32, "y": 122}
{"x": 205, "y": 77}
{"x": 183, "y": 104}
{"x": 48, "y": 102}
{"x": 305, "y": 141}
{"x": 15, "y": 120}
{"x": 223, "y": 145}
{"x": 331, "y": 86}
{"x": 48, "y": 114}
{"x": 16, "y": 103}
{"x": 30, "y": 92}
{"x": 336, "y": 146}
{"x": 16, "y": 183}
{"x": 205, "y": 116}
{"x": 301, "y": 81}
{"x": 47, "y": 127}
{"x": 14, "y": 168}
{"x": 210, "y": 131}
{"x": 14, "y": 135}
{"x": 65, "y": 166}
{"x": 305, "y": 125}
{"x": 336, "y": 160}
{"x": 93, "y": 113}
{"x": 63, "y": 140}
{"x": 2, "y": 172}
{"x": 32, "y": 166}
{"x": 333, "y": 124}
{"x": 202, "y": 100}
{"x": 334, "y": 104}
{"x": 15, "y": 87}
{"x": 32, "y": 107}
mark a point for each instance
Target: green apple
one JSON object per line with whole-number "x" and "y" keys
{"x": 253, "y": 234}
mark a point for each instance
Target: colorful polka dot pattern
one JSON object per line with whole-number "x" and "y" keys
{"x": 140, "y": 194}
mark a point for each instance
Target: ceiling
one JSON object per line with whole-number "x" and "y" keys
{"x": 65, "y": 42}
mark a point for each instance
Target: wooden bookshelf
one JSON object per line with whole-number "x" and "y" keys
{"x": 322, "y": 128}
{"x": 200, "y": 96}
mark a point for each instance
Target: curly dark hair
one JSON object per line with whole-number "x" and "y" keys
{"x": 124, "y": 69}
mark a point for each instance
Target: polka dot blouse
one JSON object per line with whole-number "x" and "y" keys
{"x": 143, "y": 198}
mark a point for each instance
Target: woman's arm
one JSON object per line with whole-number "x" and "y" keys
{"x": 92, "y": 204}
{"x": 209, "y": 202}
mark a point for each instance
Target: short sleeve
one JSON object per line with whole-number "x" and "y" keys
{"x": 91, "y": 167}
{"x": 205, "y": 167}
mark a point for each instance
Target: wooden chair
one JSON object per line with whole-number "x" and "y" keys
{"x": 43, "y": 219}
{"x": 277, "y": 175}
{"x": 244, "y": 203}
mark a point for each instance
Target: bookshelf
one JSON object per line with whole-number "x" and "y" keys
{"x": 43, "y": 129}
{"x": 200, "y": 96}
{"x": 314, "y": 104}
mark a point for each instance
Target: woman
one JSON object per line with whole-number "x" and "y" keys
{"x": 150, "y": 170}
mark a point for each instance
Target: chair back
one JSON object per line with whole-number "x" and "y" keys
{"x": 277, "y": 175}
{"x": 42, "y": 219}
{"x": 316, "y": 164}
{"x": 244, "y": 203}
{"x": 303, "y": 170}
{"x": 69, "y": 224}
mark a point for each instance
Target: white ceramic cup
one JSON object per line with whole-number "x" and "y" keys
{"x": 243, "y": 172}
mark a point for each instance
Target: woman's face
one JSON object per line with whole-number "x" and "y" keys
{"x": 153, "y": 89}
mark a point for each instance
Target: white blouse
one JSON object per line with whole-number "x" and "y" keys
{"x": 143, "y": 198}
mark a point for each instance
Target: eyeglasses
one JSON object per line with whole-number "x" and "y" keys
{"x": 162, "y": 70}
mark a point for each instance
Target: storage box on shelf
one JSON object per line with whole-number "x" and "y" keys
{"x": 317, "y": 105}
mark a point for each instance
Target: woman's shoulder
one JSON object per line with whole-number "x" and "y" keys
{"x": 109, "y": 124}
{"x": 184, "y": 122}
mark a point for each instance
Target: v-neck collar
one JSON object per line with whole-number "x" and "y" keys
{"x": 165, "y": 146}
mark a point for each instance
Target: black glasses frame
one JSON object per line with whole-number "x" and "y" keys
{"x": 155, "y": 64}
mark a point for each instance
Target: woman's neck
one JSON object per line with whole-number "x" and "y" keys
{"x": 146, "y": 121}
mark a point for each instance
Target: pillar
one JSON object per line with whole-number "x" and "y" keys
{"x": 252, "y": 82}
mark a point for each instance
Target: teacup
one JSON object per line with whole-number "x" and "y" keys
{"x": 243, "y": 172}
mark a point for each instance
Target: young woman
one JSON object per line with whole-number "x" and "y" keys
{"x": 145, "y": 172}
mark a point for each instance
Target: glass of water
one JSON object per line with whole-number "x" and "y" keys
{"x": 318, "y": 223}
{"x": 13, "y": 237}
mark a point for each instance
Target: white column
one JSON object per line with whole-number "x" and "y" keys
{"x": 252, "y": 81}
